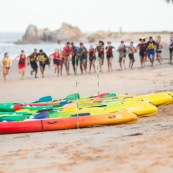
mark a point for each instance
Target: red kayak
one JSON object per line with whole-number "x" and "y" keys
{"x": 67, "y": 123}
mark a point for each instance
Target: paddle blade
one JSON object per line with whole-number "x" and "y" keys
{"x": 44, "y": 99}
{"x": 72, "y": 97}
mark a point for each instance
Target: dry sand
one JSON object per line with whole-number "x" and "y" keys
{"x": 144, "y": 147}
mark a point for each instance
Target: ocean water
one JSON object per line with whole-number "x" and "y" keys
{"x": 7, "y": 44}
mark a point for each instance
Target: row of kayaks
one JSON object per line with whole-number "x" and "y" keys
{"x": 74, "y": 111}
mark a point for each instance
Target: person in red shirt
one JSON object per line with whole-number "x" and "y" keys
{"x": 57, "y": 61}
{"x": 109, "y": 56}
{"x": 92, "y": 58}
{"x": 66, "y": 54}
{"x": 22, "y": 63}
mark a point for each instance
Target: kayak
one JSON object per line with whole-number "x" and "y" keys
{"x": 139, "y": 108}
{"x": 22, "y": 117}
{"x": 67, "y": 123}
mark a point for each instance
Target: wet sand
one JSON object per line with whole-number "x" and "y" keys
{"x": 144, "y": 147}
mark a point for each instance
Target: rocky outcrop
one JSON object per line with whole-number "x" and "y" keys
{"x": 65, "y": 33}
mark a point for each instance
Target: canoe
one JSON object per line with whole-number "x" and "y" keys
{"x": 67, "y": 123}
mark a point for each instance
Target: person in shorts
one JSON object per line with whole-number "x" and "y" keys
{"x": 131, "y": 51}
{"x": 75, "y": 60}
{"x": 122, "y": 55}
{"x": 109, "y": 55}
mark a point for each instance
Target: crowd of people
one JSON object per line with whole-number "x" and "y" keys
{"x": 80, "y": 56}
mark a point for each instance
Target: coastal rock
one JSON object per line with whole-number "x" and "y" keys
{"x": 65, "y": 33}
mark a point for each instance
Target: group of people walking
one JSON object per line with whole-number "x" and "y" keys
{"x": 80, "y": 56}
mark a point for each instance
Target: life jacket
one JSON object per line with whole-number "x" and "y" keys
{"x": 33, "y": 57}
{"x": 58, "y": 56}
{"x": 109, "y": 52}
{"x": 142, "y": 47}
{"x": 67, "y": 51}
{"x": 159, "y": 45}
{"x": 150, "y": 45}
{"x": 74, "y": 51}
{"x": 6, "y": 62}
{"x": 100, "y": 50}
{"x": 42, "y": 58}
{"x": 22, "y": 60}
{"x": 131, "y": 50}
{"x": 122, "y": 50}
{"x": 83, "y": 53}
{"x": 91, "y": 53}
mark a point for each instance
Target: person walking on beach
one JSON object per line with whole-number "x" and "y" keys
{"x": 101, "y": 54}
{"x": 92, "y": 58}
{"x": 43, "y": 61}
{"x": 6, "y": 64}
{"x": 59, "y": 48}
{"x": 122, "y": 55}
{"x": 159, "y": 48}
{"x": 57, "y": 61}
{"x": 171, "y": 47}
{"x": 22, "y": 63}
{"x": 75, "y": 60}
{"x": 109, "y": 56}
{"x": 32, "y": 60}
{"x": 142, "y": 51}
{"x": 83, "y": 58}
{"x": 53, "y": 55}
{"x": 67, "y": 53}
{"x": 151, "y": 45}
{"x": 131, "y": 51}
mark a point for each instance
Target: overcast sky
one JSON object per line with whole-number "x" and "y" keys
{"x": 88, "y": 15}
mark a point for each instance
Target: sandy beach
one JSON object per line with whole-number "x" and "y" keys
{"x": 144, "y": 147}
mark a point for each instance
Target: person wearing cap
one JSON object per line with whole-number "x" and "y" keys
{"x": 171, "y": 47}
{"x": 109, "y": 55}
{"x": 75, "y": 60}
{"x": 22, "y": 63}
{"x": 43, "y": 61}
{"x": 66, "y": 55}
{"x": 32, "y": 60}
{"x": 101, "y": 54}
{"x": 122, "y": 55}
{"x": 142, "y": 51}
{"x": 151, "y": 45}
{"x": 82, "y": 53}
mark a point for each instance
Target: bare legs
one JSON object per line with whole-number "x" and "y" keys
{"x": 122, "y": 63}
{"x": 131, "y": 64}
{"x": 83, "y": 66}
{"x": 109, "y": 61}
{"x": 22, "y": 72}
{"x": 159, "y": 58}
{"x": 101, "y": 62}
{"x": 142, "y": 61}
{"x": 5, "y": 72}
{"x": 67, "y": 65}
{"x": 92, "y": 64}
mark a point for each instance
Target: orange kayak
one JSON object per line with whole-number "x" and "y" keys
{"x": 67, "y": 123}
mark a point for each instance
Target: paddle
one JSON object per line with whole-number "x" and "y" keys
{"x": 72, "y": 97}
{"x": 44, "y": 99}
